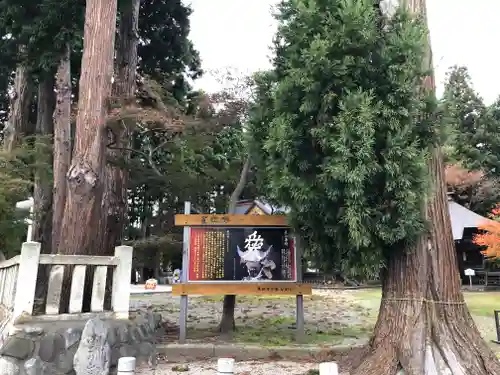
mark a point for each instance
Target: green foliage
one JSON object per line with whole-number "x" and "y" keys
{"x": 16, "y": 171}
{"x": 473, "y": 142}
{"x": 348, "y": 129}
{"x": 166, "y": 54}
{"x": 40, "y": 42}
{"x": 465, "y": 114}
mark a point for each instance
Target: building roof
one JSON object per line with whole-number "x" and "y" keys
{"x": 243, "y": 207}
{"x": 461, "y": 217}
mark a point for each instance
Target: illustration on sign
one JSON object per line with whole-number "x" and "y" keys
{"x": 259, "y": 267}
{"x": 243, "y": 254}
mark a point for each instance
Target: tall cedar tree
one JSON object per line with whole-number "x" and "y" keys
{"x": 83, "y": 210}
{"x": 62, "y": 144}
{"x": 465, "y": 113}
{"x": 115, "y": 194}
{"x": 353, "y": 149}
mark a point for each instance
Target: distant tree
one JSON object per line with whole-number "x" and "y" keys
{"x": 472, "y": 189}
{"x": 464, "y": 112}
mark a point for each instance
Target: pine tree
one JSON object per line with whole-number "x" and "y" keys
{"x": 465, "y": 114}
{"x": 353, "y": 148}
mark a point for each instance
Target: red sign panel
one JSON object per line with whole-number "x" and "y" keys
{"x": 241, "y": 254}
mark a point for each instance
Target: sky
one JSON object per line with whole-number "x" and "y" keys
{"x": 237, "y": 34}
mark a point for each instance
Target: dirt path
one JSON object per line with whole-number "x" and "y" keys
{"x": 241, "y": 368}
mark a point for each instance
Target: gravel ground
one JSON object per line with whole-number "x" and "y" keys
{"x": 240, "y": 368}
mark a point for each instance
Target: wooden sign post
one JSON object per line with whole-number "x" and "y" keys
{"x": 239, "y": 254}
{"x": 470, "y": 272}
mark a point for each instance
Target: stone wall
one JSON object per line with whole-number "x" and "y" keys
{"x": 72, "y": 347}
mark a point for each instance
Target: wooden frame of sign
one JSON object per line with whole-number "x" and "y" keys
{"x": 217, "y": 273}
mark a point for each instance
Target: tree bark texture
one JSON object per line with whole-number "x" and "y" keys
{"x": 18, "y": 121}
{"x": 116, "y": 177}
{"x": 42, "y": 196}
{"x": 18, "y": 124}
{"x": 81, "y": 224}
{"x": 62, "y": 145}
{"x": 424, "y": 326}
{"x": 227, "y": 323}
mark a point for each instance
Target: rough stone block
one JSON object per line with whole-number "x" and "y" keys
{"x": 17, "y": 347}
{"x": 112, "y": 336}
{"x": 93, "y": 354}
{"x": 9, "y": 366}
{"x": 35, "y": 366}
{"x": 150, "y": 318}
{"x": 50, "y": 346}
{"x": 157, "y": 320}
{"x": 153, "y": 358}
{"x": 133, "y": 335}
{"x": 72, "y": 337}
{"x": 115, "y": 356}
{"x": 122, "y": 333}
{"x": 127, "y": 350}
{"x": 145, "y": 349}
{"x": 33, "y": 331}
{"x": 144, "y": 333}
{"x": 64, "y": 361}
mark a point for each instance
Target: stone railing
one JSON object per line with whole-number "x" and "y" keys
{"x": 18, "y": 281}
{"x": 8, "y": 283}
{"x": 9, "y": 270}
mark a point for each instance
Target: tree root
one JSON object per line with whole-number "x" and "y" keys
{"x": 439, "y": 348}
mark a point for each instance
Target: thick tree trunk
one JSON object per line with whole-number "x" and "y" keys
{"x": 424, "y": 326}
{"x": 124, "y": 91}
{"x": 62, "y": 145}
{"x": 227, "y": 324}
{"x": 42, "y": 196}
{"x": 85, "y": 178}
{"x": 18, "y": 124}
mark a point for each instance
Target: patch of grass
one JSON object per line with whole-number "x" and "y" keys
{"x": 280, "y": 331}
{"x": 479, "y": 303}
{"x": 482, "y": 303}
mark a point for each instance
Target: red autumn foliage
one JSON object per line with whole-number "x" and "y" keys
{"x": 490, "y": 236}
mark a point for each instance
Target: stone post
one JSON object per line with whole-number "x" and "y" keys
{"x": 126, "y": 366}
{"x": 328, "y": 368}
{"x": 26, "y": 279}
{"x": 121, "y": 282}
{"x": 225, "y": 366}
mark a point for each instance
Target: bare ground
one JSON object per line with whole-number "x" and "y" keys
{"x": 333, "y": 317}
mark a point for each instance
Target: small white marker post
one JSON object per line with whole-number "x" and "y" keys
{"x": 126, "y": 366}
{"x": 470, "y": 272}
{"x": 328, "y": 368}
{"x": 225, "y": 366}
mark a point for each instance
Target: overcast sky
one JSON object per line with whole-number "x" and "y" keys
{"x": 238, "y": 33}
